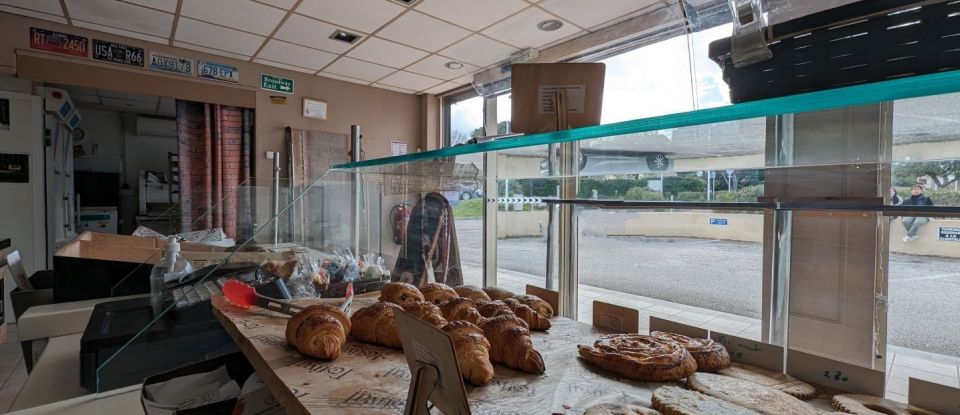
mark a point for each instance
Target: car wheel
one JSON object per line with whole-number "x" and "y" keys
{"x": 658, "y": 162}
{"x": 466, "y": 196}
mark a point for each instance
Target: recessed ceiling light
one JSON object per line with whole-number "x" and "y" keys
{"x": 453, "y": 65}
{"x": 344, "y": 36}
{"x": 549, "y": 25}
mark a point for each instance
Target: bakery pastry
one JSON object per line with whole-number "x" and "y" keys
{"x": 400, "y": 293}
{"x": 674, "y": 400}
{"x": 619, "y": 409}
{"x": 494, "y": 308}
{"x": 710, "y": 355}
{"x": 640, "y": 357}
{"x": 510, "y": 343}
{"x": 775, "y": 380}
{"x": 376, "y": 324}
{"x": 497, "y": 293}
{"x": 535, "y": 321}
{"x": 870, "y": 405}
{"x": 427, "y": 312}
{"x": 473, "y": 352}
{"x": 282, "y": 269}
{"x": 461, "y": 309}
{"x": 318, "y": 331}
{"x": 752, "y": 396}
{"x": 537, "y": 304}
{"x": 472, "y": 292}
{"x": 438, "y": 293}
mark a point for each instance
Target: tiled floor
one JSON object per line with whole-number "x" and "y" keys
{"x": 901, "y": 363}
{"x": 13, "y": 372}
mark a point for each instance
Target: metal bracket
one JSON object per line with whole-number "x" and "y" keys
{"x": 749, "y": 43}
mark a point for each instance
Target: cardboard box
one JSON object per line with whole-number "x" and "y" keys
{"x": 533, "y": 108}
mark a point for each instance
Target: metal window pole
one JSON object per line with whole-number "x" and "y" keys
{"x": 489, "y": 236}
{"x": 355, "y": 156}
{"x": 276, "y": 198}
{"x": 567, "y": 230}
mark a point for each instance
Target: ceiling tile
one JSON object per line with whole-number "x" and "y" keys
{"x": 586, "y": 14}
{"x": 119, "y": 32}
{"x": 122, "y": 16}
{"x": 33, "y": 14}
{"x": 285, "y": 66}
{"x": 444, "y": 87}
{"x": 305, "y": 31}
{"x": 252, "y": 17}
{"x": 364, "y": 15}
{"x": 521, "y": 30}
{"x": 165, "y": 5}
{"x": 283, "y": 52}
{"x": 218, "y": 37}
{"x": 386, "y": 53}
{"x": 434, "y": 66}
{"x": 472, "y": 14}
{"x": 43, "y": 6}
{"x": 210, "y": 50}
{"x": 479, "y": 50}
{"x": 344, "y": 78}
{"x": 130, "y": 106}
{"x": 283, "y": 4}
{"x": 358, "y": 69}
{"x": 393, "y": 88}
{"x": 126, "y": 96}
{"x": 409, "y": 80}
{"x": 167, "y": 107}
{"x": 422, "y": 31}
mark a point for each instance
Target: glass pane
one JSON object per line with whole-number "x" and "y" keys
{"x": 466, "y": 120}
{"x": 503, "y": 113}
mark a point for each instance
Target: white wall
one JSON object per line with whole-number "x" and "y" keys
{"x": 144, "y": 152}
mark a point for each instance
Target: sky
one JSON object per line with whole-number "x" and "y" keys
{"x": 657, "y": 79}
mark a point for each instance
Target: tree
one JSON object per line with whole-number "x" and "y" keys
{"x": 942, "y": 173}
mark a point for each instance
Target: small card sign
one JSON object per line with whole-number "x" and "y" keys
{"x": 934, "y": 397}
{"x": 659, "y": 324}
{"x": 550, "y": 296}
{"x": 834, "y": 374}
{"x": 751, "y": 352}
{"x": 51, "y": 41}
{"x": 171, "y": 64}
{"x": 398, "y": 148}
{"x": 218, "y": 71}
{"x": 435, "y": 373}
{"x": 949, "y": 234}
{"x": 313, "y": 108}
{"x": 615, "y": 318}
{"x": 117, "y": 53}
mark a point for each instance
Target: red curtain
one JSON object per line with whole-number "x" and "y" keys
{"x": 214, "y": 146}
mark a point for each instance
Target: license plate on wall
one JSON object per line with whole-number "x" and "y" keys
{"x": 117, "y": 53}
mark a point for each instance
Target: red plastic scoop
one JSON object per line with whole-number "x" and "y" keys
{"x": 245, "y": 296}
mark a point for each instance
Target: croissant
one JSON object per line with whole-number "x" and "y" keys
{"x": 472, "y": 292}
{"x": 438, "y": 293}
{"x": 400, "y": 293}
{"x": 318, "y": 331}
{"x": 494, "y": 308}
{"x": 542, "y": 308}
{"x": 511, "y": 344}
{"x": 533, "y": 319}
{"x": 497, "y": 293}
{"x": 427, "y": 312}
{"x": 473, "y": 352}
{"x": 461, "y": 308}
{"x": 375, "y": 324}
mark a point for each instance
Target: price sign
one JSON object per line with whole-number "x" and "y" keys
{"x": 670, "y": 326}
{"x": 834, "y": 374}
{"x": 117, "y": 53}
{"x": 751, "y": 352}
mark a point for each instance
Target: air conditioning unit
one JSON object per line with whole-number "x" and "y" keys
{"x": 158, "y": 127}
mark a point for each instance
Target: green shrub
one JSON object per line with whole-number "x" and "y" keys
{"x": 691, "y": 196}
{"x": 644, "y": 194}
{"x": 744, "y": 194}
{"x": 606, "y": 188}
{"x": 472, "y": 208}
{"x": 677, "y": 184}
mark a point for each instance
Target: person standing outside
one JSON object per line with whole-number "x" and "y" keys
{"x": 913, "y": 223}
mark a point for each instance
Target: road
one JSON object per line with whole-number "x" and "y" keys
{"x": 726, "y": 276}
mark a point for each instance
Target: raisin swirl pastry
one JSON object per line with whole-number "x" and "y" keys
{"x": 710, "y": 355}
{"x": 640, "y": 357}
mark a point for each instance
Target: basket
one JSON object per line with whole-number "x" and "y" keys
{"x": 339, "y": 289}
{"x": 866, "y": 41}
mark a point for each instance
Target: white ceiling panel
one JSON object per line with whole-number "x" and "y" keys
{"x": 386, "y": 53}
{"x": 358, "y": 69}
{"x": 472, "y": 14}
{"x": 167, "y": 107}
{"x": 344, "y": 78}
{"x": 521, "y": 30}
{"x": 119, "y": 32}
{"x": 245, "y": 14}
{"x": 444, "y": 87}
{"x": 43, "y": 6}
{"x": 283, "y": 52}
{"x": 586, "y": 14}
{"x": 422, "y": 31}
{"x": 122, "y": 16}
{"x": 210, "y": 50}
{"x": 363, "y": 15}
{"x": 165, "y": 5}
{"x": 434, "y": 66}
{"x": 217, "y": 37}
{"x": 126, "y": 96}
{"x": 479, "y": 51}
{"x": 409, "y": 80}
{"x": 305, "y": 31}
{"x": 393, "y": 88}
{"x": 283, "y": 4}
{"x": 33, "y": 14}
{"x": 285, "y": 66}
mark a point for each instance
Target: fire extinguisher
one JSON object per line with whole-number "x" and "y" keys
{"x": 399, "y": 218}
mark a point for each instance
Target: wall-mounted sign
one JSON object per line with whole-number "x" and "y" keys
{"x": 278, "y": 99}
{"x": 718, "y": 221}
{"x": 218, "y": 71}
{"x": 172, "y": 64}
{"x": 117, "y": 53}
{"x": 276, "y": 83}
{"x": 949, "y": 234}
{"x": 398, "y": 148}
{"x": 57, "y": 42}
{"x": 314, "y": 109}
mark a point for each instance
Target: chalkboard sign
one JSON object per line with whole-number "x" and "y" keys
{"x": 117, "y": 53}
